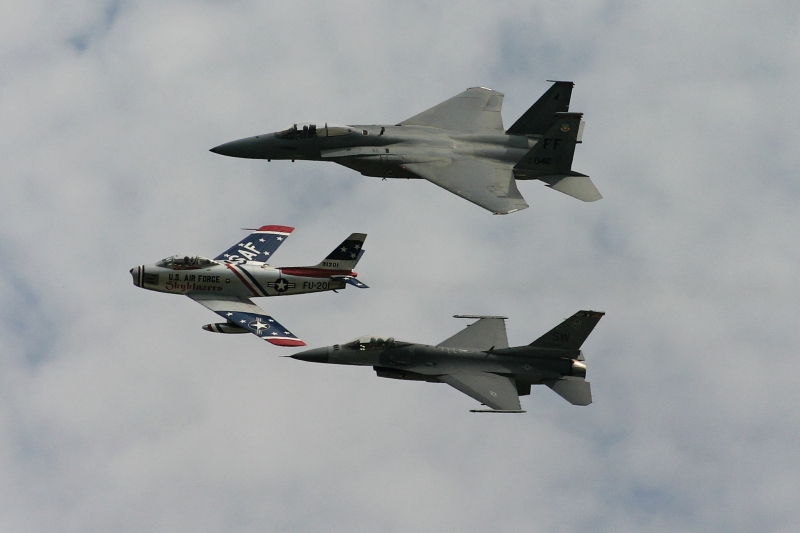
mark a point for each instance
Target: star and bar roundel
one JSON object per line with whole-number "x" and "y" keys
{"x": 263, "y": 326}
{"x": 280, "y": 285}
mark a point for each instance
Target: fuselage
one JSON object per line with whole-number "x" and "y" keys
{"x": 241, "y": 280}
{"x": 412, "y": 361}
{"x": 379, "y": 150}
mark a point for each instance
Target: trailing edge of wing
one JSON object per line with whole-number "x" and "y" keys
{"x": 476, "y": 109}
{"x": 497, "y": 392}
{"x": 485, "y": 183}
{"x": 245, "y": 314}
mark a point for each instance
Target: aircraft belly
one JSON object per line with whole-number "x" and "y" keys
{"x": 375, "y": 167}
{"x": 501, "y": 154}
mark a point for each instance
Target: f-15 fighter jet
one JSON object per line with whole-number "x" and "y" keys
{"x": 226, "y": 283}
{"x": 478, "y": 362}
{"x": 459, "y": 145}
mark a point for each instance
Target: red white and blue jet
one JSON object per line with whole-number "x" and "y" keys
{"x": 226, "y": 283}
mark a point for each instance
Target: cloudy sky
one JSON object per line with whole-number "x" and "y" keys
{"x": 118, "y": 413}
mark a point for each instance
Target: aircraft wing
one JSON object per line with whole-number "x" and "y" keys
{"x": 497, "y": 392}
{"x": 476, "y": 109}
{"x": 487, "y": 333}
{"x": 258, "y": 246}
{"x": 488, "y": 184}
{"x": 242, "y": 312}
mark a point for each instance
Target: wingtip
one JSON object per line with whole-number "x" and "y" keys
{"x": 276, "y": 228}
{"x": 292, "y": 343}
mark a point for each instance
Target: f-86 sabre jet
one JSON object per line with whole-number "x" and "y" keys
{"x": 226, "y": 283}
{"x": 478, "y": 362}
{"x": 459, "y": 145}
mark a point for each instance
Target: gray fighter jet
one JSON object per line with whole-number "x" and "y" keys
{"x": 459, "y": 145}
{"x": 478, "y": 362}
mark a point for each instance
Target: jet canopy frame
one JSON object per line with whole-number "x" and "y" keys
{"x": 374, "y": 342}
{"x": 309, "y": 130}
{"x": 186, "y": 262}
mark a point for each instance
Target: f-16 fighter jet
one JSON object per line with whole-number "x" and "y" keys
{"x": 226, "y": 283}
{"x": 459, "y": 145}
{"x": 478, "y": 362}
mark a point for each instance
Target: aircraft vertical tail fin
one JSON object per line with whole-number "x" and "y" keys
{"x": 346, "y": 255}
{"x": 538, "y": 118}
{"x": 550, "y": 159}
{"x": 571, "y": 333}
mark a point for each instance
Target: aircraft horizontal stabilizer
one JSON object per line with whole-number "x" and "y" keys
{"x": 352, "y": 281}
{"x": 578, "y": 186}
{"x": 575, "y": 391}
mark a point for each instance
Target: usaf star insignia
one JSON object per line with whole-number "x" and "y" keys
{"x": 281, "y": 285}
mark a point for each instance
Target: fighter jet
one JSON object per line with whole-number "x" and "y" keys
{"x": 226, "y": 283}
{"x": 478, "y": 362}
{"x": 459, "y": 145}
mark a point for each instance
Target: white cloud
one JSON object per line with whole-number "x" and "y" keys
{"x": 118, "y": 412}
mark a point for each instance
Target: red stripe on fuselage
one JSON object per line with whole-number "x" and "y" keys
{"x": 241, "y": 278}
{"x": 310, "y": 272}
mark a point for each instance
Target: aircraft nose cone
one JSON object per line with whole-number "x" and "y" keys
{"x": 250, "y": 148}
{"x": 317, "y": 355}
{"x": 135, "y": 275}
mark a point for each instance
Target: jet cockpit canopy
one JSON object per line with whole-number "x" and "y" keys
{"x": 308, "y": 130}
{"x": 373, "y": 342}
{"x": 186, "y": 262}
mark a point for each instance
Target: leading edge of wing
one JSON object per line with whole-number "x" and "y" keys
{"x": 488, "y": 184}
{"x": 243, "y": 313}
{"x": 485, "y": 334}
{"x": 476, "y": 109}
{"x": 497, "y": 392}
